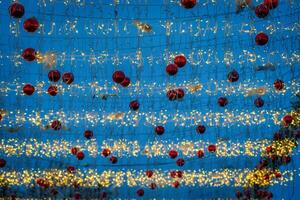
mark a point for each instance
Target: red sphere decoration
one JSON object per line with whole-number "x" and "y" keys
{"x": 125, "y": 82}
{"x": 173, "y": 174}
{"x": 201, "y": 129}
{"x": 68, "y": 78}
{"x": 180, "y": 93}
{"x": 180, "y": 60}
{"x": 172, "y": 95}
{"x": 118, "y": 76}
{"x": 28, "y": 89}
{"x": 172, "y": 69}
{"x": 212, "y": 148}
{"x": 271, "y": 3}
{"x": 71, "y": 169}
{"x": 74, "y": 150}
{"x": 200, "y": 154}
{"x": 149, "y": 173}
{"x": 222, "y": 101}
{"x": 180, "y": 162}
{"x": 261, "y": 11}
{"x": 188, "y": 4}
{"x": 140, "y": 192}
{"x": 88, "y": 134}
{"x": 233, "y": 76}
{"x": 29, "y": 54}
{"x": 278, "y": 84}
{"x": 106, "y": 152}
{"x": 259, "y": 102}
{"x": 56, "y": 125}
{"x": 16, "y": 10}
{"x": 261, "y": 39}
{"x": 176, "y": 184}
{"x": 287, "y": 120}
{"x": 179, "y": 174}
{"x": 80, "y": 155}
{"x": 159, "y": 130}
{"x": 153, "y": 186}
{"x": 54, "y": 75}
{"x": 52, "y": 90}
{"x": 173, "y": 154}
{"x": 113, "y": 159}
{"x": 31, "y": 24}
{"x": 134, "y": 105}
{"x": 2, "y": 163}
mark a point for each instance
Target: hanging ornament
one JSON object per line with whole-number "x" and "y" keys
{"x": 106, "y": 152}
{"x": 172, "y": 69}
{"x": 180, "y": 162}
{"x": 261, "y": 11}
{"x": 233, "y": 76}
{"x": 113, "y": 159}
{"x": 29, "y": 54}
{"x": 149, "y": 173}
{"x": 52, "y": 90}
{"x": 259, "y": 102}
{"x": 261, "y": 39}
{"x": 16, "y": 10}
{"x": 200, "y": 154}
{"x": 153, "y": 186}
{"x": 212, "y": 148}
{"x": 74, "y": 150}
{"x": 28, "y": 89}
{"x": 173, "y": 174}
{"x": 188, "y": 4}
{"x": 134, "y": 105}
{"x": 159, "y": 130}
{"x": 287, "y": 120}
{"x": 2, "y": 163}
{"x": 222, "y": 101}
{"x": 180, "y": 60}
{"x": 180, "y": 93}
{"x": 68, "y": 78}
{"x": 125, "y": 82}
{"x": 140, "y": 192}
{"x": 118, "y": 76}
{"x": 71, "y": 169}
{"x": 56, "y": 125}
{"x": 88, "y": 134}
{"x": 54, "y": 75}
{"x": 172, "y": 95}
{"x": 271, "y": 3}
{"x": 201, "y": 129}
{"x": 173, "y": 154}
{"x": 80, "y": 155}
{"x": 31, "y": 24}
{"x": 176, "y": 184}
{"x": 278, "y": 84}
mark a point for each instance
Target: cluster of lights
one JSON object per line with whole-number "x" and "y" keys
{"x": 134, "y": 178}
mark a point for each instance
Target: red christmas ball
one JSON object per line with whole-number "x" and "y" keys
{"x": 2, "y": 163}
{"x": 153, "y": 186}
{"x": 149, "y": 173}
{"x": 80, "y": 155}
{"x": 261, "y": 11}
{"x": 52, "y": 90}
{"x": 261, "y": 38}
{"x": 88, "y": 134}
{"x": 212, "y": 148}
{"x": 54, "y": 75}
{"x": 259, "y": 102}
{"x": 179, "y": 174}
{"x": 180, "y": 162}
{"x": 172, "y": 95}
{"x": 188, "y": 4}
{"x": 173, "y": 174}
{"x": 125, "y": 82}
{"x": 29, "y": 54}
{"x": 233, "y": 76}
{"x": 278, "y": 84}
{"x": 180, "y": 93}
{"x": 287, "y": 120}
{"x": 222, "y": 101}
{"x": 159, "y": 130}
{"x": 118, "y": 76}
{"x": 113, "y": 159}
{"x": 201, "y": 129}
{"x": 16, "y": 10}
{"x": 31, "y": 24}
{"x": 200, "y": 153}
{"x": 106, "y": 152}
{"x": 28, "y": 89}
{"x": 140, "y": 192}
{"x": 74, "y": 150}
{"x": 176, "y": 184}
{"x": 70, "y": 169}
{"x": 77, "y": 195}
{"x": 172, "y": 69}
{"x": 54, "y": 192}
{"x": 56, "y": 125}
{"x": 173, "y": 154}
{"x": 68, "y": 78}
{"x": 134, "y": 105}
{"x": 180, "y": 60}
{"x": 271, "y": 3}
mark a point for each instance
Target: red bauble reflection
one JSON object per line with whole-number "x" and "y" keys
{"x": 74, "y": 150}
{"x": 172, "y": 69}
{"x": 68, "y": 78}
{"x": 261, "y": 39}
{"x": 149, "y": 173}
{"x": 180, "y": 60}
{"x": 71, "y": 169}
{"x": 180, "y": 93}
{"x": 80, "y": 155}
{"x": 140, "y": 192}
{"x": 113, "y": 159}
{"x": 125, "y": 82}
{"x": 200, "y": 153}
{"x": 176, "y": 184}
{"x": 261, "y": 11}
{"x": 56, "y": 125}
{"x": 88, "y": 134}
{"x": 52, "y": 90}
{"x": 159, "y": 130}
{"x": 233, "y": 76}
{"x": 16, "y": 10}
{"x": 287, "y": 120}
{"x": 180, "y": 162}
{"x": 172, "y": 95}
{"x": 188, "y": 3}
{"x": 201, "y": 129}
{"x": 271, "y": 3}
{"x": 118, "y": 76}
{"x": 106, "y": 152}
{"x": 278, "y": 84}
{"x": 31, "y": 24}
{"x": 173, "y": 154}
{"x": 28, "y": 89}
{"x": 29, "y": 54}
{"x": 212, "y": 148}
{"x": 259, "y": 102}
{"x": 222, "y": 101}
{"x": 134, "y": 105}
{"x": 2, "y": 163}
{"x": 54, "y": 75}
